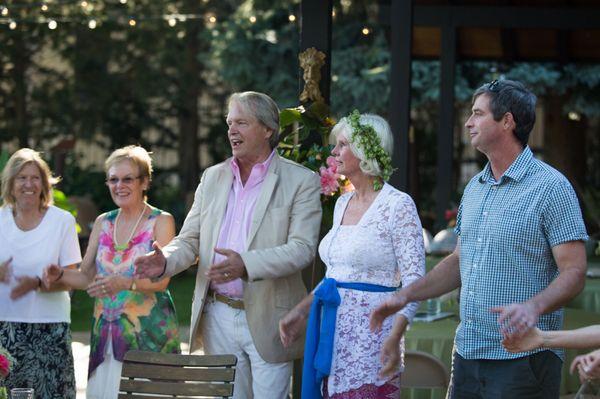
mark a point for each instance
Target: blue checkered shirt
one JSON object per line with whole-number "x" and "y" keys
{"x": 507, "y": 229}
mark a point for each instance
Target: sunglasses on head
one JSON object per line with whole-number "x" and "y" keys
{"x": 493, "y": 86}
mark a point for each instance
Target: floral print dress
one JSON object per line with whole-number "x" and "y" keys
{"x": 130, "y": 319}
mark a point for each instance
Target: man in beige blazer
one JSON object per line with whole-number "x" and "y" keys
{"x": 253, "y": 227}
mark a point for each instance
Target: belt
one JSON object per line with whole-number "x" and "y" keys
{"x": 320, "y": 331}
{"x": 231, "y": 302}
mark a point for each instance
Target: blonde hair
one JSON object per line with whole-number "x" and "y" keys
{"x": 135, "y": 154}
{"x": 15, "y": 164}
{"x": 368, "y": 166}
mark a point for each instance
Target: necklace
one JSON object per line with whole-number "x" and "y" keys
{"x": 122, "y": 247}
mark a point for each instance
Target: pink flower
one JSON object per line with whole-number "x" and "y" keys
{"x": 4, "y": 366}
{"x": 329, "y": 180}
{"x": 331, "y": 164}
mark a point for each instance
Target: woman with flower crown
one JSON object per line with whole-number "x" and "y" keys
{"x": 374, "y": 246}
{"x": 128, "y": 313}
{"x": 33, "y": 234}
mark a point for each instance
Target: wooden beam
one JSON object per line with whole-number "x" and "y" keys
{"x": 315, "y": 31}
{"x": 400, "y": 81}
{"x": 445, "y": 138}
{"x": 509, "y": 16}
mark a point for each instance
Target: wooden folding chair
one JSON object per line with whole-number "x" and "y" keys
{"x": 422, "y": 370}
{"x": 179, "y": 376}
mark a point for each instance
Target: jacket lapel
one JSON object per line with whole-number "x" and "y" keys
{"x": 218, "y": 207}
{"x": 264, "y": 198}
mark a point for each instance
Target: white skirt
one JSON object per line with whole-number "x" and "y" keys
{"x": 104, "y": 381}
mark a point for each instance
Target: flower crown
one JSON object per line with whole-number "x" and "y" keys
{"x": 365, "y": 137}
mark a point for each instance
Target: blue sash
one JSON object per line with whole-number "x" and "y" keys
{"x": 318, "y": 348}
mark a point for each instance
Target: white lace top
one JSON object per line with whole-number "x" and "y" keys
{"x": 386, "y": 248}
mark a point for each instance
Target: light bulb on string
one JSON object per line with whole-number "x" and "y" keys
{"x": 132, "y": 22}
{"x": 92, "y": 24}
{"x": 212, "y": 19}
{"x": 52, "y": 24}
{"x": 12, "y": 25}
{"x": 172, "y": 22}
{"x": 123, "y": 1}
{"x": 84, "y": 4}
{"x": 252, "y": 19}
{"x": 366, "y": 31}
{"x": 4, "y": 11}
{"x": 44, "y": 7}
{"x": 292, "y": 17}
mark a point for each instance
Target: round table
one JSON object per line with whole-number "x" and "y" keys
{"x": 437, "y": 338}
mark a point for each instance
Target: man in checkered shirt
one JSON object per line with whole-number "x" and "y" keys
{"x": 520, "y": 256}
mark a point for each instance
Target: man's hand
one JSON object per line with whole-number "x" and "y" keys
{"x": 231, "y": 268}
{"x": 532, "y": 339}
{"x": 588, "y": 366}
{"x": 291, "y": 327}
{"x": 24, "y": 285}
{"x": 5, "y": 271}
{"x": 516, "y": 319}
{"x": 152, "y": 264}
{"x": 386, "y": 309}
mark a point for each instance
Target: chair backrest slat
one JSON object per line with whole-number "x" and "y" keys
{"x": 138, "y": 370}
{"x": 176, "y": 388}
{"x": 180, "y": 360}
{"x": 147, "y": 374}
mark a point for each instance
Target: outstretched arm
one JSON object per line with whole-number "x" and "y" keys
{"x": 517, "y": 319}
{"x": 444, "y": 278}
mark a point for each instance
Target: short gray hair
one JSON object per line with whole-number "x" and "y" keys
{"x": 263, "y": 108}
{"x": 369, "y": 166}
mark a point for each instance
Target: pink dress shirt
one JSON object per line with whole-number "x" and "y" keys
{"x": 238, "y": 219}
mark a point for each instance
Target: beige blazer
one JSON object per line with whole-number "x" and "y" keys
{"x": 282, "y": 241}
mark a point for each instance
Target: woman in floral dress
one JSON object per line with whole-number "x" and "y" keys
{"x": 374, "y": 246}
{"x": 129, "y": 313}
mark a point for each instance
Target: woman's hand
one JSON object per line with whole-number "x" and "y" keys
{"x": 291, "y": 327}
{"x": 106, "y": 286}
{"x": 52, "y": 273}
{"x": 24, "y": 285}
{"x": 531, "y": 340}
{"x": 390, "y": 356}
{"x": 5, "y": 271}
{"x": 588, "y": 366}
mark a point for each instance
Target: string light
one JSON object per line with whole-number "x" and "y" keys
{"x": 172, "y": 22}
{"x": 366, "y": 31}
{"x": 92, "y": 24}
{"x": 132, "y": 22}
{"x": 123, "y": 1}
{"x": 12, "y": 25}
{"x": 4, "y": 11}
{"x": 44, "y": 7}
{"x": 84, "y": 4}
{"x": 212, "y": 19}
{"x": 252, "y": 19}
{"x": 292, "y": 17}
{"x": 52, "y": 24}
